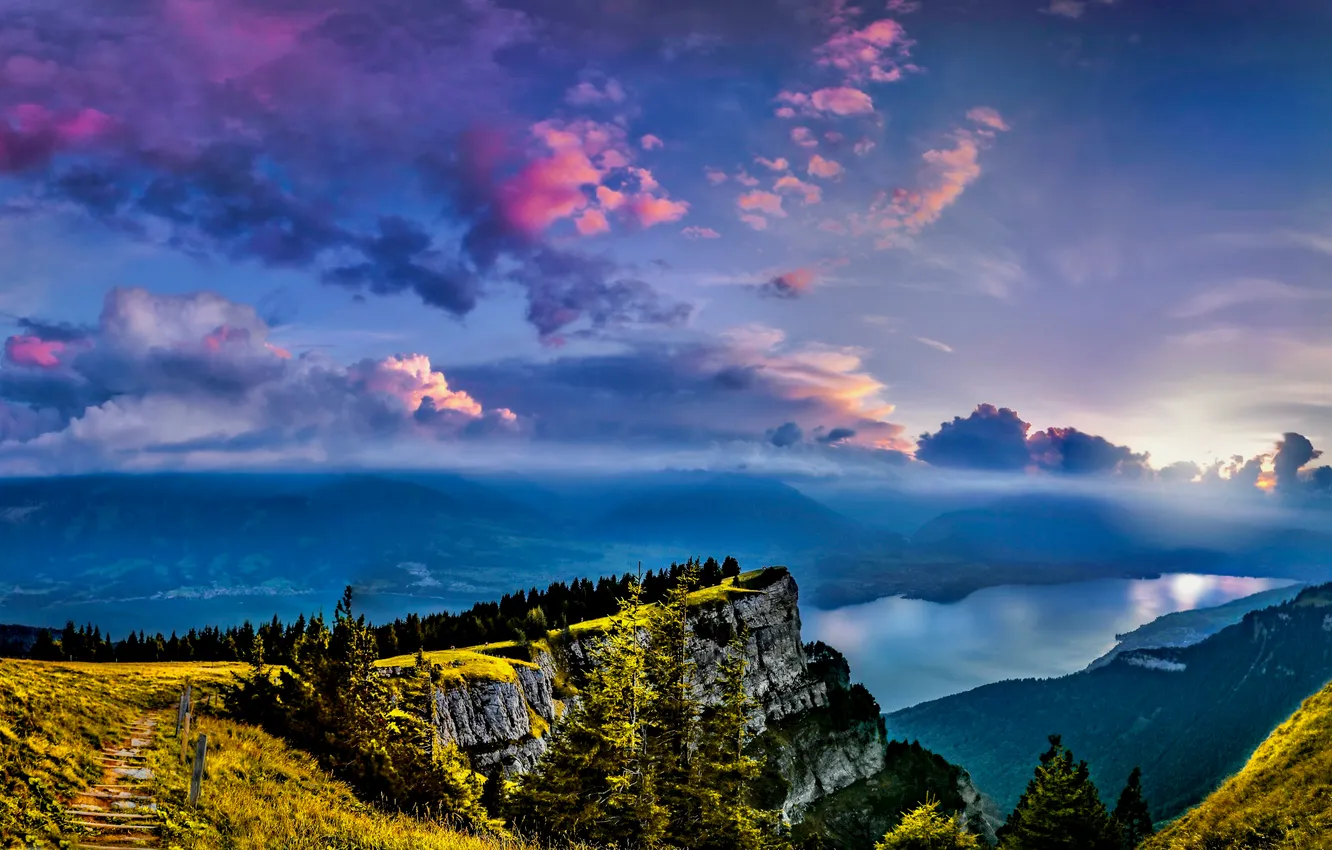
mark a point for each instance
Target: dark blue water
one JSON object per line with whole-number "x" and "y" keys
{"x": 907, "y": 651}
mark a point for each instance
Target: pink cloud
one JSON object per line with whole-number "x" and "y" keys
{"x": 790, "y": 284}
{"x": 804, "y": 137}
{"x": 648, "y": 210}
{"x": 826, "y": 168}
{"x": 715, "y": 175}
{"x": 744, "y": 179}
{"x": 842, "y": 100}
{"x": 609, "y": 198}
{"x": 790, "y": 183}
{"x": 757, "y": 222}
{"x": 989, "y": 117}
{"x": 591, "y": 222}
{"x": 646, "y": 181}
{"x": 651, "y": 142}
{"x": 696, "y": 232}
{"x": 30, "y": 134}
{"x": 903, "y": 7}
{"x": 863, "y": 147}
{"x": 949, "y": 172}
{"x": 33, "y": 352}
{"x": 785, "y": 112}
{"x": 548, "y": 190}
{"x": 278, "y": 351}
{"x": 778, "y": 164}
{"x": 832, "y": 225}
{"x": 411, "y": 379}
{"x": 871, "y": 54}
{"x": 760, "y": 201}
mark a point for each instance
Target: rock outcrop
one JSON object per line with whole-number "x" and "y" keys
{"x": 818, "y": 739}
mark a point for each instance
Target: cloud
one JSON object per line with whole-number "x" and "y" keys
{"x": 208, "y": 128}
{"x": 804, "y": 137}
{"x": 650, "y": 142}
{"x": 934, "y": 343}
{"x": 996, "y": 439}
{"x": 832, "y": 100}
{"x": 778, "y": 164}
{"x": 790, "y": 284}
{"x": 696, "y": 232}
{"x": 989, "y": 438}
{"x": 715, "y": 176}
{"x": 175, "y": 376}
{"x": 988, "y": 117}
{"x": 789, "y": 183}
{"x": 757, "y": 222}
{"x": 826, "y": 168}
{"x": 863, "y": 147}
{"x": 31, "y": 135}
{"x": 34, "y": 352}
{"x": 1072, "y": 9}
{"x": 1244, "y": 291}
{"x": 1293, "y": 453}
{"x": 837, "y": 435}
{"x": 760, "y": 201}
{"x": 588, "y": 94}
{"x": 732, "y": 386}
{"x": 946, "y": 175}
{"x": 787, "y": 434}
{"x": 842, "y": 100}
{"x": 877, "y": 53}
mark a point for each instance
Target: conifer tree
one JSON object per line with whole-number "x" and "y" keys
{"x": 724, "y": 774}
{"x": 1131, "y": 812}
{"x": 926, "y": 828}
{"x": 1060, "y": 810}
{"x": 671, "y": 714}
{"x": 596, "y": 783}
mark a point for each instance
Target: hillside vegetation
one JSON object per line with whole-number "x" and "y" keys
{"x": 1190, "y": 716}
{"x": 1281, "y": 800}
{"x": 259, "y": 792}
{"x": 55, "y": 717}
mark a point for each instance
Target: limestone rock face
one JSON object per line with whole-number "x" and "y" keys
{"x": 815, "y": 754}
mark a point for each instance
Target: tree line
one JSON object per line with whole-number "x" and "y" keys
{"x": 521, "y": 615}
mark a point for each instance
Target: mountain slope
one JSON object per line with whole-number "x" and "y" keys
{"x": 1281, "y": 799}
{"x": 1189, "y": 717}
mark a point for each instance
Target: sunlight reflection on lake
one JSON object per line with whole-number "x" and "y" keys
{"x": 908, "y": 651}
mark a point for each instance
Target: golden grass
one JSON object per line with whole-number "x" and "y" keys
{"x": 260, "y": 794}
{"x": 729, "y": 590}
{"x": 1281, "y": 800}
{"x": 55, "y": 716}
{"x": 464, "y": 665}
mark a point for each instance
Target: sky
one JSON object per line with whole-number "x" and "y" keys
{"x": 1074, "y": 236}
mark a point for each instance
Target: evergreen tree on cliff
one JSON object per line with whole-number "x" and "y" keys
{"x": 596, "y": 783}
{"x": 1131, "y": 813}
{"x": 1060, "y": 810}
{"x": 724, "y": 775}
{"x": 671, "y": 714}
{"x": 926, "y": 828}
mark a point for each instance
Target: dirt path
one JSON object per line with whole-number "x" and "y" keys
{"x": 120, "y": 811}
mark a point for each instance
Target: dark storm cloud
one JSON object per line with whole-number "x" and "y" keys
{"x": 1293, "y": 452}
{"x": 837, "y": 435}
{"x": 996, "y": 439}
{"x": 786, "y": 434}
{"x": 989, "y": 438}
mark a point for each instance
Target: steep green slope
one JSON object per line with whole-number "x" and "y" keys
{"x": 1189, "y": 717}
{"x": 1282, "y": 799}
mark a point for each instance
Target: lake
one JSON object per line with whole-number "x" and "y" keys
{"x": 908, "y": 651}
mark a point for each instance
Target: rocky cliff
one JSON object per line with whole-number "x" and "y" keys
{"x": 821, "y": 735}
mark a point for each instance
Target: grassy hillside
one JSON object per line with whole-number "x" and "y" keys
{"x": 55, "y": 717}
{"x": 1281, "y": 800}
{"x": 259, "y": 792}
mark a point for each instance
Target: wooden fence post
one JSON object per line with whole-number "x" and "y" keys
{"x": 180, "y": 713}
{"x": 196, "y": 779}
{"x": 184, "y": 738}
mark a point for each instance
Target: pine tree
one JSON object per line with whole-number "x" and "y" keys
{"x": 926, "y": 828}
{"x": 1131, "y": 813}
{"x": 595, "y": 783}
{"x": 1060, "y": 809}
{"x": 670, "y": 717}
{"x": 724, "y": 774}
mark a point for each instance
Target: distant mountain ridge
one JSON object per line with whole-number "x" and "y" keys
{"x": 1188, "y": 716}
